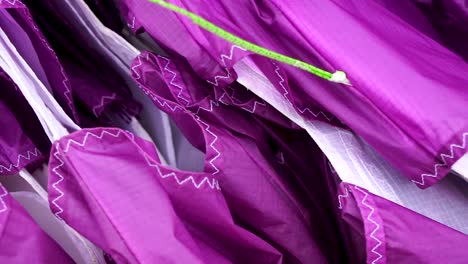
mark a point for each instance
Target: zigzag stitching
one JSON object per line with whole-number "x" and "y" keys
{"x": 112, "y": 97}
{"x": 377, "y": 226}
{"x": 4, "y": 193}
{"x": 68, "y": 91}
{"x": 174, "y": 75}
{"x": 207, "y": 129}
{"x": 14, "y": 2}
{"x": 54, "y": 185}
{"x": 136, "y": 66}
{"x": 444, "y": 162}
{"x": 223, "y": 56}
{"x": 281, "y": 83}
{"x": 239, "y": 101}
{"x": 29, "y": 155}
{"x": 221, "y": 99}
{"x": 132, "y": 26}
{"x": 340, "y": 197}
{"x": 254, "y": 107}
{"x": 213, "y": 184}
{"x": 57, "y": 156}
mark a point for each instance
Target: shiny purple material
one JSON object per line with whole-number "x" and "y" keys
{"x": 290, "y": 195}
{"x": 394, "y": 234}
{"x": 84, "y": 85}
{"x": 17, "y": 149}
{"x": 399, "y": 74}
{"x": 22, "y": 241}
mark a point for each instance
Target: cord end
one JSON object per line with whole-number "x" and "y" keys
{"x": 340, "y": 77}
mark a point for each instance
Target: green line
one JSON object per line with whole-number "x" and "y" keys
{"x": 207, "y": 25}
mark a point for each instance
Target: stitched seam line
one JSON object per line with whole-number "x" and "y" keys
{"x": 103, "y": 99}
{"x": 207, "y": 129}
{"x": 68, "y": 91}
{"x": 377, "y": 226}
{"x": 444, "y": 162}
{"x": 174, "y": 75}
{"x": 230, "y": 57}
{"x": 27, "y": 157}
{"x": 281, "y": 83}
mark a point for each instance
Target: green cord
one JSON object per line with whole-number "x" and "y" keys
{"x": 207, "y": 25}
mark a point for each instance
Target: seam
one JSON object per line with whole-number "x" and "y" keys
{"x": 3, "y": 194}
{"x": 101, "y": 105}
{"x": 132, "y": 26}
{"x": 174, "y": 75}
{"x": 65, "y": 81}
{"x": 281, "y": 83}
{"x": 213, "y": 184}
{"x": 341, "y": 197}
{"x": 377, "y": 226}
{"x": 13, "y": 2}
{"x": 223, "y": 56}
{"x": 62, "y": 162}
{"x": 444, "y": 163}
{"x": 215, "y": 137}
{"x": 207, "y": 127}
{"x": 28, "y": 156}
{"x": 108, "y": 218}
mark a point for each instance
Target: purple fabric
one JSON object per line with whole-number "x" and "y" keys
{"x": 398, "y": 73}
{"x": 394, "y": 234}
{"x": 108, "y": 12}
{"x": 87, "y": 83}
{"x": 22, "y": 241}
{"x": 210, "y": 57}
{"x": 57, "y": 77}
{"x": 289, "y": 196}
{"x": 450, "y": 19}
{"x": 139, "y": 211}
{"x": 17, "y": 150}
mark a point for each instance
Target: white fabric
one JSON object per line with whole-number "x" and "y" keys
{"x": 49, "y": 113}
{"x": 120, "y": 54}
{"x": 39, "y": 210}
{"x": 357, "y": 163}
{"x": 40, "y": 99}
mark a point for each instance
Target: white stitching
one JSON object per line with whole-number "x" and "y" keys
{"x": 110, "y": 98}
{"x": 223, "y": 56}
{"x": 213, "y": 184}
{"x": 239, "y": 101}
{"x": 207, "y": 129}
{"x": 54, "y": 185}
{"x": 444, "y": 162}
{"x": 29, "y": 155}
{"x": 62, "y": 162}
{"x": 221, "y": 99}
{"x": 281, "y": 83}
{"x": 174, "y": 75}
{"x": 377, "y": 226}
{"x": 4, "y": 193}
{"x": 340, "y": 197}
{"x": 14, "y": 2}
{"x": 254, "y": 107}
{"x": 136, "y": 66}
{"x": 132, "y": 26}
{"x": 68, "y": 91}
